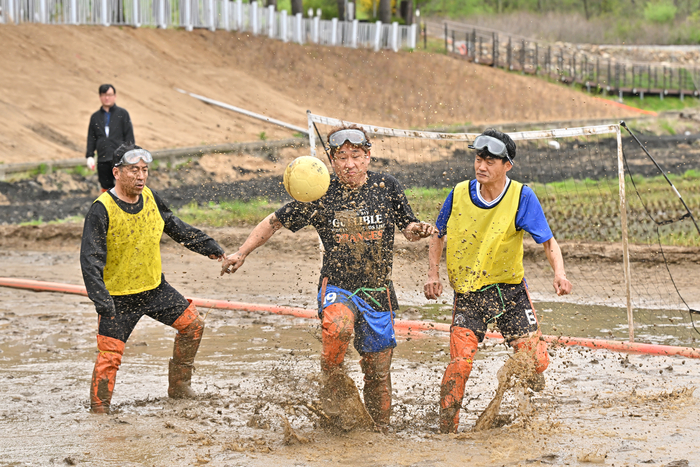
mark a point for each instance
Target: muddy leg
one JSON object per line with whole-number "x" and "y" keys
{"x": 336, "y": 331}
{"x": 190, "y": 326}
{"x": 463, "y": 347}
{"x": 377, "y": 391}
{"x": 536, "y": 350}
{"x": 104, "y": 374}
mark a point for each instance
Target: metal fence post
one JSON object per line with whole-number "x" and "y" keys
{"x": 334, "y": 31}
{"x": 445, "y": 37}
{"x": 395, "y": 36}
{"x": 377, "y": 36}
{"x": 536, "y": 59}
{"x": 494, "y": 54}
{"x": 317, "y": 27}
{"x": 283, "y": 26}
{"x": 454, "y": 46}
{"x": 270, "y": 21}
{"x": 212, "y": 15}
{"x": 105, "y": 21}
{"x": 509, "y": 53}
{"x": 161, "y": 14}
{"x": 522, "y": 57}
{"x": 227, "y": 15}
{"x": 253, "y": 17}
{"x": 300, "y": 38}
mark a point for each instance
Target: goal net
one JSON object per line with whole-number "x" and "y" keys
{"x": 625, "y": 255}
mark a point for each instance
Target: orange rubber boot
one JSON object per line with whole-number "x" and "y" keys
{"x": 104, "y": 374}
{"x": 336, "y": 331}
{"x": 190, "y": 326}
{"x": 463, "y": 347}
{"x": 377, "y": 391}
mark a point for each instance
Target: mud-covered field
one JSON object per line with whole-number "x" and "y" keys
{"x": 257, "y": 373}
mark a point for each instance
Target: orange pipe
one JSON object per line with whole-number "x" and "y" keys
{"x": 399, "y": 324}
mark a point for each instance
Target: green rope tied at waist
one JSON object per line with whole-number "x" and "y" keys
{"x": 367, "y": 289}
{"x": 500, "y": 295}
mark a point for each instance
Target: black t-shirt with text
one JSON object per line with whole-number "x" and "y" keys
{"x": 356, "y": 228}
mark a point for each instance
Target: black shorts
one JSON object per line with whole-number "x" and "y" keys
{"x": 511, "y": 310}
{"x": 164, "y": 304}
{"x": 105, "y": 175}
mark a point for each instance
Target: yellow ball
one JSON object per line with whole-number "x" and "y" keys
{"x": 306, "y": 179}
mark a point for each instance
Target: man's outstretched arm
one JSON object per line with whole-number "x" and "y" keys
{"x": 258, "y": 237}
{"x": 433, "y": 288}
{"x": 562, "y": 286}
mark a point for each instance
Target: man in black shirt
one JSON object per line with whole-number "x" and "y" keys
{"x": 120, "y": 260}
{"x": 355, "y": 219}
{"x": 109, "y": 128}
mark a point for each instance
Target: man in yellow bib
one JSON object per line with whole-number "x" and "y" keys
{"x": 484, "y": 221}
{"x": 120, "y": 260}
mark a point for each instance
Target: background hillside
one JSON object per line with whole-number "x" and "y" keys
{"x": 652, "y": 22}
{"x": 49, "y": 77}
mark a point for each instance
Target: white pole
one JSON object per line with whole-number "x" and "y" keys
{"x": 161, "y": 14}
{"x": 42, "y": 11}
{"x": 626, "y": 273}
{"x": 239, "y": 15}
{"x": 254, "y": 17}
{"x": 136, "y": 14}
{"x": 412, "y": 37}
{"x": 317, "y": 25}
{"x": 355, "y": 24}
{"x": 227, "y": 15}
{"x": 350, "y": 12}
{"x": 188, "y": 15}
{"x": 334, "y": 30}
{"x": 73, "y": 11}
{"x": 312, "y": 134}
{"x": 395, "y": 36}
{"x": 271, "y": 21}
{"x": 212, "y": 16}
{"x": 298, "y": 24}
{"x": 377, "y": 36}
{"x": 283, "y": 26}
{"x": 105, "y": 22}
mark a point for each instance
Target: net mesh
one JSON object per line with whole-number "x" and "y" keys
{"x": 574, "y": 173}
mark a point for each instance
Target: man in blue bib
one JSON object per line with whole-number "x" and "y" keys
{"x": 483, "y": 222}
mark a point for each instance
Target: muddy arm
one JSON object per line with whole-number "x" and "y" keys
{"x": 561, "y": 284}
{"x": 257, "y": 238}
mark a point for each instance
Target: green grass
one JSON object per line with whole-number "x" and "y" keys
{"x": 653, "y": 103}
{"x": 227, "y": 213}
{"x": 67, "y": 220}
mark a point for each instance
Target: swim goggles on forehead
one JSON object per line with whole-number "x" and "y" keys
{"x": 133, "y": 156}
{"x": 495, "y": 146}
{"x": 350, "y": 135}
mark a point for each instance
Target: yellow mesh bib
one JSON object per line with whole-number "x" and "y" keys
{"x": 133, "y": 246}
{"x": 483, "y": 246}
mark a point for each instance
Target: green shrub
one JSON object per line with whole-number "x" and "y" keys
{"x": 663, "y": 11}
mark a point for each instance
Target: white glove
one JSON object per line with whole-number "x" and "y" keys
{"x": 91, "y": 163}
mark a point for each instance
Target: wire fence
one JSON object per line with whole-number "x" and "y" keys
{"x": 610, "y": 75}
{"x": 211, "y": 14}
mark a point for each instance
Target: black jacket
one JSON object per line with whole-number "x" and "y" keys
{"x": 120, "y": 131}
{"x": 93, "y": 250}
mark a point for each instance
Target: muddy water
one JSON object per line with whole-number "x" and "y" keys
{"x": 252, "y": 370}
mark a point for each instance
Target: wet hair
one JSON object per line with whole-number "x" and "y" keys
{"x": 121, "y": 150}
{"x": 105, "y": 87}
{"x": 507, "y": 140}
{"x": 346, "y": 127}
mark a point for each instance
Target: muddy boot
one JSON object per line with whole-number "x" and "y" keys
{"x": 535, "y": 382}
{"x": 190, "y": 327}
{"x": 463, "y": 346}
{"x": 104, "y": 374}
{"x": 377, "y": 390}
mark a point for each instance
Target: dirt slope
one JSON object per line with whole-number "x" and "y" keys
{"x": 49, "y": 77}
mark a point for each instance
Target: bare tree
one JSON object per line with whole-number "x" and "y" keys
{"x": 341, "y": 10}
{"x": 297, "y": 7}
{"x": 272, "y": 3}
{"x": 385, "y": 11}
